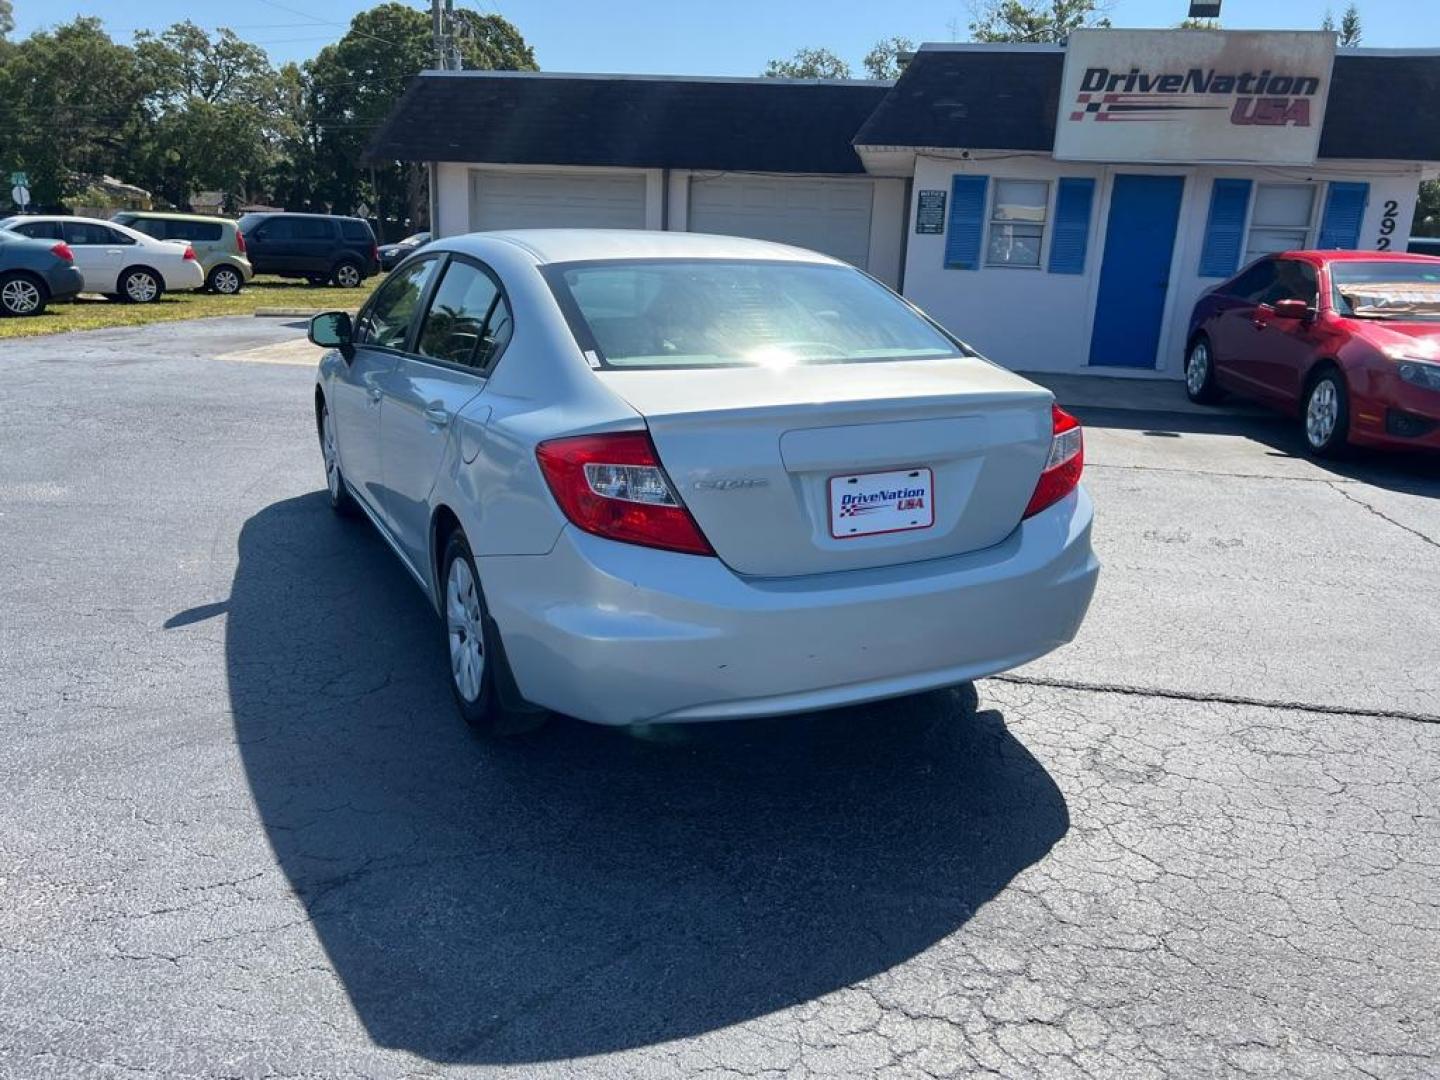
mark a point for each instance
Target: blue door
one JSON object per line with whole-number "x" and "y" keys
{"x": 1135, "y": 272}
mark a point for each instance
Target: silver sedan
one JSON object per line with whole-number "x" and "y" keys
{"x": 649, "y": 476}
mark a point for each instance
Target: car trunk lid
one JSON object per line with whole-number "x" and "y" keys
{"x": 759, "y": 454}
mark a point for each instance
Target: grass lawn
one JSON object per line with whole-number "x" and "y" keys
{"x": 95, "y": 313}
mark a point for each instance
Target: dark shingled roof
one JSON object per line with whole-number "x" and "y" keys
{"x": 1005, "y": 99}
{"x": 739, "y": 125}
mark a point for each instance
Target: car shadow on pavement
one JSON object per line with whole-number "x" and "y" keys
{"x": 578, "y": 890}
{"x": 1413, "y": 473}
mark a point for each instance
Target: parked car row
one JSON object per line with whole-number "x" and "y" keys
{"x": 138, "y": 256}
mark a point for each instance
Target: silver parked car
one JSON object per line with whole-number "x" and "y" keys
{"x": 649, "y": 476}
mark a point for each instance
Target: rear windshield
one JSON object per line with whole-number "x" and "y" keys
{"x": 1386, "y": 290}
{"x": 716, "y": 313}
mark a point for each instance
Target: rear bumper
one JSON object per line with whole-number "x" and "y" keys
{"x": 64, "y": 283}
{"x": 188, "y": 275}
{"x": 617, "y": 634}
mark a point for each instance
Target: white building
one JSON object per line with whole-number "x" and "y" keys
{"x": 1060, "y": 208}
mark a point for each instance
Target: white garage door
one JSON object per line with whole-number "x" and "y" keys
{"x": 501, "y": 199}
{"x": 832, "y": 216}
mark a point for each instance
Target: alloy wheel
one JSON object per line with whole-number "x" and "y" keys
{"x": 462, "y": 621}
{"x": 347, "y": 276}
{"x": 226, "y": 281}
{"x": 1321, "y": 413}
{"x": 141, "y": 287}
{"x": 1198, "y": 368}
{"x": 327, "y": 448}
{"x": 20, "y": 297}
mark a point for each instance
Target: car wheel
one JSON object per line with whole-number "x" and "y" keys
{"x": 21, "y": 294}
{"x": 225, "y": 280}
{"x": 341, "y": 500}
{"x": 1200, "y": 382}
{"x": 140, "y": 286}
{"x": 1327, "y": 414}
{"x": 348, "y": 276}
{"x": 472, "y": 678}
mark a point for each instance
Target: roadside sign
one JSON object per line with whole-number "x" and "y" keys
{"x": 21, "y": 194}
{"x": 930, "y": 212}
{"x": 20, "y": 178}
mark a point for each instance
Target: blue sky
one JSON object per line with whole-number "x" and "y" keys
{"x": 712, "y": 37}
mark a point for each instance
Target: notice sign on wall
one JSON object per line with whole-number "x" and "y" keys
{"x": 930, "y": 212}
{"x": 1194, "y": 96}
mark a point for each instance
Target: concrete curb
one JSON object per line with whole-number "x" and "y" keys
{"x": 284, "y": 312}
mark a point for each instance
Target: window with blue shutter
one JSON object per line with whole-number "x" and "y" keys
{"x": 1072, "y": 225}
{"x": 1225, "y": 228}
{"x": 1344, "y": 210}
{"x": 966, "y": 225}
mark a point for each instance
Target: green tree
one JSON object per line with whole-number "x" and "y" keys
{"x": 809, "y": 64}
{"x": 354, "y": 83}
{"x": 58, "y": 124}
{"x": 883, "y": 61}
{"x": 1427, "y": 210}
{"x": 1349, "y": 29}
{"x": 1034, "y": 20}
{"x": 214, "y": 107}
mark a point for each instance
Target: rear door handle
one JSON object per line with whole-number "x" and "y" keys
{"x": 437, "y": 415}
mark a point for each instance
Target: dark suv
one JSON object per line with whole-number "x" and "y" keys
{"x": 317, "y": 247}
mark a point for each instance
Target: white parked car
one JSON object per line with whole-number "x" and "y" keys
{"x": 649, "y": 476}
{"x": 116, "y": 260}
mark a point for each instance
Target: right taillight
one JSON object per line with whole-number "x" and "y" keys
{"x": 614, "y": 486}
{"x": 1064, "y": 465}
{"x": 62, "y": 251}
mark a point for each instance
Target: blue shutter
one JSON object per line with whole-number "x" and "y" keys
{"x": 966, "y": 226}
{"x": 1344, "y": 209}
{"x": 1072, "y": 225}
{"x": 1225, "y": 229}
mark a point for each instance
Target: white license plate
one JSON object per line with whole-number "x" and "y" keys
{"x": 863, "y": 504}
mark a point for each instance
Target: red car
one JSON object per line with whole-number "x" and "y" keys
{"x": 1348, "y": 341}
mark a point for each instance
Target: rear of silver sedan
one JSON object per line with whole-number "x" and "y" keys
{"x": 825, "y": 500}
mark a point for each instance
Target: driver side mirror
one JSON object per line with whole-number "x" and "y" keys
{"x": 1293, "y": 309}
{"x": 332, "y": 330}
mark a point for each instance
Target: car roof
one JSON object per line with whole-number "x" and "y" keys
{"x": 172, "y": 215}
{"x": 1353, "y": 256}
{"x": 62, "y": 217}
{"x": 583, "y": 245}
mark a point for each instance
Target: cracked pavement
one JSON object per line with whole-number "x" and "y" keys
{"x": 243, "y": 835}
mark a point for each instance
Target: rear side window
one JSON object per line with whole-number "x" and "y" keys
{"x": 721, "y": 313}
{"x": 86, "y": 232}
{"x": 202, "y": 232}
{"x": 1255, "y": 282}
{"x": 455, "y": 325}
{"x": 149, "y": 226}
{"x": 313, "y": 229}
{"x": 396, "y": 306}
{"x": 356, "y": 230}
{"x": 40, "y": 230}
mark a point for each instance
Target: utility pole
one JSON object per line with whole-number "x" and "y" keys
{"x": 437, "y": 35}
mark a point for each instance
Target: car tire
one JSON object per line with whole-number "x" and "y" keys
{"x": 225, "y": 280}
{"x": 21, "y": 295}
{"x": 1325, "y": 418}
{"x": 465, "y": 621}
{"x": 348, "y": 274}
{"x": 140, "y": 285}
{"x": 341, "y": 501}
{"x": 1200, "y": 384}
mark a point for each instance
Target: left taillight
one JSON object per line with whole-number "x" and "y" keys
{"x": 189, "y": 255}
{"x": 62, "y": 251}
{"x": 1061, "y": 474}
{"x": 614, "y": 486}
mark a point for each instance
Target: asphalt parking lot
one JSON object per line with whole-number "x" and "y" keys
{"x": 243, "y": 834}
